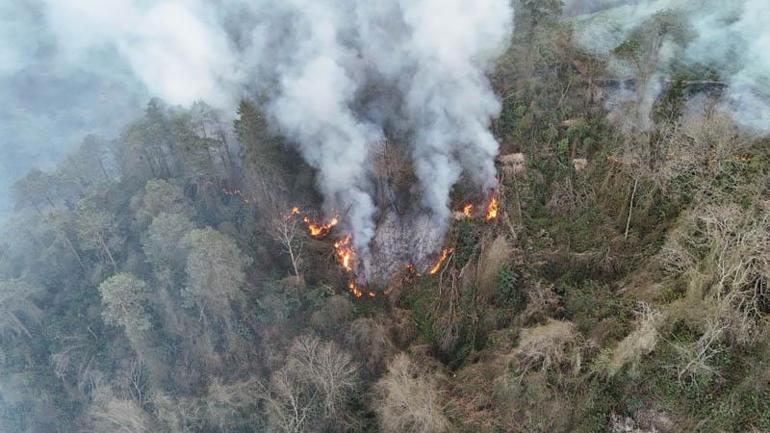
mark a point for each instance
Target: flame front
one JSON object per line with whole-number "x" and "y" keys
{"x": 353, "y": 287}
{"x": 318, "y": 230}
{"x": 437, "y": 267}
{"x": 468, "y": 210}
{"x": 346, "y": 256}
{"x": 345, "y": 253}
{"x": 491, "y": 210}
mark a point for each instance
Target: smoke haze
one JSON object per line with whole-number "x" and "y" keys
{"x": 335, "y": 74}
{"x": 338, "y": 76}
{"x": 731, "y": 38}
{"x": 356, "y": 69}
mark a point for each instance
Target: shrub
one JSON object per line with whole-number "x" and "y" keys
{"x": 552, "y": 346}
{"x": 408, "y": 400}
{"x": 640, "y": 342}
{"x": 371, "y": 339}
{"x": 492, "y": 259}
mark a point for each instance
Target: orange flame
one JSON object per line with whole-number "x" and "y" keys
{"x": 437, "y": 267}
{"x": 345, "y": 253}
{"x": 353, "y": 287}
{"x": 237, "y": 193}
{"x": 317, "y": 229}
{"x": 491, "y": 210}
{"x": 314, "y": 228}
{"x": 343, "y": 248}
{"x": 468, "y": 210}
{"x": 346, "y": 256}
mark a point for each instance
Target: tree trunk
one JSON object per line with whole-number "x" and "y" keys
{"x": 75, "y": 252}
{"x": 104, "y": 170}
{"x": 107, "y": 251}
{"x": 631, "y": 208}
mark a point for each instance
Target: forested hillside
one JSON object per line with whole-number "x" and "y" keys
{"x": 184, "y": 277}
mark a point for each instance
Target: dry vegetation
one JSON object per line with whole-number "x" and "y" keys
{"x": 409, "y": 399}
{"x": 623, "y": 286}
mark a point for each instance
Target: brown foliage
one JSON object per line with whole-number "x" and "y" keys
{"x": 408, "y": 400}
{"x": 492, "y": 258}
{"x": 371, "y": 339}
{"x": 554, "y": 345}
{"x": 313, "y": 388}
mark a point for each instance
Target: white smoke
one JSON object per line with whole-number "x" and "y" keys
{"x": 449, "y": 98}
{"x": 174, "y": 47}
{"x": 732, "y": 37}
{"x": 336, "y": 75}
{"x": 428, "y": 71}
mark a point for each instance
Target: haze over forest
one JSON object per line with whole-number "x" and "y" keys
{"x": 387, "y": 216}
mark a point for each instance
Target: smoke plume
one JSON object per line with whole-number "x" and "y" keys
{"x": 338, "y": 77}
{"x": 361, "y": 68}
{"x": 729, "y": 37}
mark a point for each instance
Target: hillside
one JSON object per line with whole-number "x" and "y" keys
{"x": 188, "y": 276}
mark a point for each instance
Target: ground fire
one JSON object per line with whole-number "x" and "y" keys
{"x": 468, "y": 210}
{"x": 491, "y": 210}
{"x": 441, "y": 258}
{"x": 345, "y": 254}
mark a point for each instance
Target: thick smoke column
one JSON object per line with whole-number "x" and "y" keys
{"x": 352, "y": 70}
{"x": 448, "y": 98}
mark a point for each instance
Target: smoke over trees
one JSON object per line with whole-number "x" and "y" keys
{"x": 722, "y": 43}
{"x": 549, "y": 221}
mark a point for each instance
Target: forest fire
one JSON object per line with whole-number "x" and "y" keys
{"x": 343, "y": 249}
{"x": 491, "y": 210}
{"x": 468, "y": 210}
{"x": 345, "y": 256}
{"x": 440, "y": 262}
{"x": 318, "y": 230}
{"x": 314, "y": 228}
{"x": 345, "y": 253}
{"x": 353, "y": 288}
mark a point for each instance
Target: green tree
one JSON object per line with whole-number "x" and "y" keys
{"x": 159, "y": 196}
{"x": 261, "y": 153}
{"x": 162, "y": 242}
{"x": 86, "y": 167}
{"x": 215, "y": 272}
{"x": 126, "y": 305}
{"x": 16, "y": 303}
{"x": 35, "y": 189}
{"x": 97, "y": 229}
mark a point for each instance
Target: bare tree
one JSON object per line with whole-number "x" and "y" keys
{"x": 108, "y": 414}
{"x": 695, "y": 358}
{"x": 726, "y": 251}
{"x": 234, "y": 403}
{"x": 288, "y": 231}
{"x": 315, "y": 384}
{"x": 408, "y": 400}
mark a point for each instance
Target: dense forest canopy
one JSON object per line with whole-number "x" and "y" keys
{"x": 390, "y": 216}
